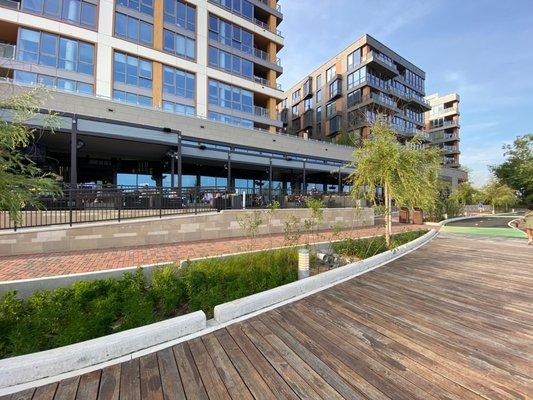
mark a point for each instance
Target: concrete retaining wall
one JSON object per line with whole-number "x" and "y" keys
{"x": 31, "y": 367}
{"x": 246, "y": 305}
{"x": 183, "y": 228}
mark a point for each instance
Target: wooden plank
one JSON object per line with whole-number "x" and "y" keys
{"x": 130, "y": 384}
{"x": 88, "y": 386}
{"x": 213, "y": 384}
{"x": 297, "y": 383}
{"x": 26, "y": 394}
{"x": 46, "y": 392}
{"x": 150, "y": 380}
{"x": 463, "y": 369}
{"x": 278, "y": 384}
{"x": 67, "y": 389}
{"x": 388, "y": 353}
{"x": 376, "y": 374}
{"x": 247, "y": 371}
{"x": 170, "y": 376}
{"x": 454, "y": 337}
{"x": 110, "y": 383}
{"x": 316, "y": 379}
{"x": 344, "y": 372}
{"x": 190, "y": 377}
{"x": 227, "y": 372}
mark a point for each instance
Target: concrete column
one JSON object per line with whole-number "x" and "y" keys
{"x": 74, "y": 155}
{"x": 201, "y": 57}
{"x": 104, "y": 52}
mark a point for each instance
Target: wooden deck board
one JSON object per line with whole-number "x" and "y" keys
{"x": 452, "y": 320}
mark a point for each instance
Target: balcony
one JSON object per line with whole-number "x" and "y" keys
{"x": 446, "y": 111}
{"x": 308, "y": 88}
{"x": 265, "y": 82}
{"x": 445, "y": 138}
{"x": 308, "y": 119}
{"x": 8, "y": 51}
{"x": 256, "y": 21}
{"x": 263, "y": 55}
{"x": 445, "y": 125}
{"x": 335, "y": 88}
{"x": 380, "y": 63}
{"x": 450, "y": 149}
{"x": 278, "y": 6}
{"x": 418, "y": 100}
{"x": 335, "y": 125}
{"x": 15, "y": 5}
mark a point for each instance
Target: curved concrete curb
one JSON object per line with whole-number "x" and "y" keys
{"x": 31, "y": 367}
{"x": 240, "y": 307}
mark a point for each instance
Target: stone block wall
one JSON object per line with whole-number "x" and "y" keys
{"x": 173, "y": 229}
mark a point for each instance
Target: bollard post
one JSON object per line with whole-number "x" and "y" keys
{"x": 303, "y": 263}
{"x": 244, "y": 199}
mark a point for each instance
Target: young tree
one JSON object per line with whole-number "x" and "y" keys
{"x": 498, "y": 195}
{"x": 21, "y": 181}
{"x": 465, "y": 194}
{"x": 407, "y": 173}
{"x": 517, "y": 171}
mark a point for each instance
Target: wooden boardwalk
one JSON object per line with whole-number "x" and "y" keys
{"x": 453, "y": 320}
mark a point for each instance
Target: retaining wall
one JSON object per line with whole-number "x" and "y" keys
{"x": 172, "y": 229}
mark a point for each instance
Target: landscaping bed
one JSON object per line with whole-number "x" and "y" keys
{"x": 91, "y": 309}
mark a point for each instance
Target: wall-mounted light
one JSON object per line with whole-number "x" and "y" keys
{"x": 80, "y": 144}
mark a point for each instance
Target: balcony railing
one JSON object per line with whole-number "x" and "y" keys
{"x": 278, "y": 6}
{"x": 256, "y": 21}
{"x": 261, "y": 112}
{"x": 15, "y": 5}
{"x": 378, "y": 56}
{"x": 7, "y": 51}
{"x": 265, "y": 82}
{"x": 264, "y": 56}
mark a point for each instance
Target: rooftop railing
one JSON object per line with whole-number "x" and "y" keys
{"x": 278, "y": 6}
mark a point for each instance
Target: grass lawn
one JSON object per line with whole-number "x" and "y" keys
{"x": 497, "y": 232}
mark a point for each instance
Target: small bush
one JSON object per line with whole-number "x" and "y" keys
{"x": 215, "y": 281}
{"x": 91, "y": 309}
{"x": 368, "y": 247}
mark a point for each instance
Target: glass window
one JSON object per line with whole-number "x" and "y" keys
{"x": 33, "y": 5}
{"x": 85, "y": 88}
{"x": 52, "y": 8}
{"x": 86, "y": 58}
{"x": 48, "y": 49}
{"x": 178, "y": 82}
{"x": 133, "y": 29}
{"x": 88, "y": 14}
{"x": 228, "y": 96}
{"x": 66, "y": 84}
{"x": 132, "y": 70}
{"x": 143, "y": 6}
{"x": 228, "y": 119}
{"x": 29, "y": 45}
{"x": 318, "y": 96}
{"x": 71, "y": 10}
{"x": 28, "y": 78}
{"x": 68, "y": 54}
{"x": 330, "y": 73}
{"x": 319, "y": 81}
{"x": 45, "y": 80}
{"x": 354, "y": 58}
{"x": 178, "y": 44}
{"x": 230, "y": 34}
{"x": 230, "y": 62}
{"x": 181, "y": 14}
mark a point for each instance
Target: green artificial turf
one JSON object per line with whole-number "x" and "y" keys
{"x": 498, "y": 232}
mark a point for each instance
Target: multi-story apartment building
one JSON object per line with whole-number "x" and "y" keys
{"x": 179, "y": 92}
{"x": 442, "y": 125}
{"x": 347, "y": 92}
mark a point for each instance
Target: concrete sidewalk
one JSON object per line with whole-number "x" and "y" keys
{"x": 42, "y": 265}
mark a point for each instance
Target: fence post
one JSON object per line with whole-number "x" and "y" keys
{"x": 120, "y": 200}
{"x": 196, "y": 200}
{"x": 70, "y": 205}
{"x": 161, "y": 202}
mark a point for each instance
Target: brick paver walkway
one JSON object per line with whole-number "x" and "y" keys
{"x": 41, "y": 265}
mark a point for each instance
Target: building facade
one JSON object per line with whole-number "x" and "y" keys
{"x": 345, "y": 94}
{"x": 166, "y": 92}
{"x": 442, "y": 125}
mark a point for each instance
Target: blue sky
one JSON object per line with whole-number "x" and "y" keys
{"x": 481, "y": 49}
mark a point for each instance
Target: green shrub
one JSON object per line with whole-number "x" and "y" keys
{"x": 91, "y": 309}
{"x": 368, "y": 247}
{"x": 215, "y": 281}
